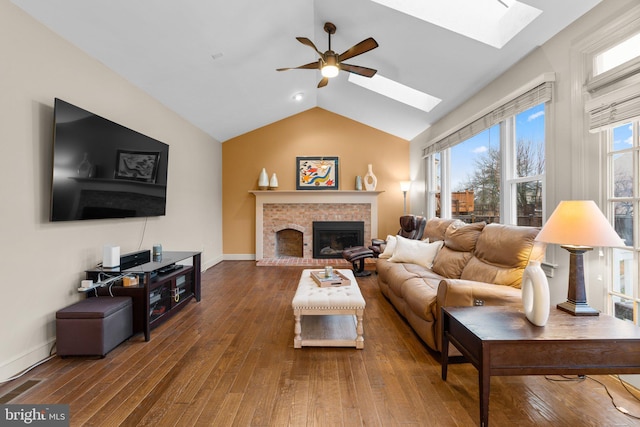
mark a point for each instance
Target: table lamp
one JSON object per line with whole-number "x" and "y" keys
{"x": 578, "y": 226}
{"x": 404, "y": 187}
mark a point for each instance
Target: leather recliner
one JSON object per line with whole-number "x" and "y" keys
{"x": 411, "y": 227}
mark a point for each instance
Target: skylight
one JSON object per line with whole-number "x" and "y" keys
{"x": 617, "y": 55}
{"x": 493, "y": 22}
{"x": 396, "y": 91}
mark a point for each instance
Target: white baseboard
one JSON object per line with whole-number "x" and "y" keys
{"x": 25, "y": 360}
{"x": 211, "y": 262}
{"x": 634, "y": 380}
{"x": 240, "y": 257}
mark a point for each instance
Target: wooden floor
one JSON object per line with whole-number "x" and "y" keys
{"x": 229, "y": 360}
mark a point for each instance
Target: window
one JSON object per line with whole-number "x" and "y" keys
{"x": 617, "y": 55}
{"x": 623, "y": 157}
{"x": 434, "y": 186}
{"x": 527, "y": 180}
{"x": 475, "y": 177}
{"x": 613, "y": 110}
{"x": 496, "y": 175}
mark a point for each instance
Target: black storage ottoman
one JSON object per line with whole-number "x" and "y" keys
{"x": 94, "y": 326}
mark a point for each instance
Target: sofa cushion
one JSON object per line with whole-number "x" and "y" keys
{"x": 396, "y": 274}
{"x": 459, "y": 244}
{"x": 436, "y": 228}
{"x": 501, "y": 255}
{"x": 415, "y": 251}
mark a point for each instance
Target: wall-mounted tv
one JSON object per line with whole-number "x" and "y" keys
{"x": 104, "y": 170}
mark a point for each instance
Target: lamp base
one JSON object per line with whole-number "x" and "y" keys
{"x": 578, "y": 309}
{"x": 576, "y": 302}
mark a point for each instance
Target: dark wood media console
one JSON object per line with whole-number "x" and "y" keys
{"x": 159, "y": 294}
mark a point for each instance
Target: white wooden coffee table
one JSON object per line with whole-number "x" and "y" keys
{"x": 328, "y": 317}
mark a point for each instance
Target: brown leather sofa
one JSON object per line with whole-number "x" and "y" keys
{"x": 478, "y": 264}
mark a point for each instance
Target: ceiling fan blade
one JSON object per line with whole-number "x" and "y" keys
{"x": 323, "y": 82}
{"x": 305, "y": 41}
{"x": 355, "y": 69}
{"x": 310, "y": 66}
{"x": 360, "y": 48}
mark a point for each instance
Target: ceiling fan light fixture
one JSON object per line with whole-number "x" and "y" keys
{"x": 330, "y": 63}
{"x": 330, "y": 71}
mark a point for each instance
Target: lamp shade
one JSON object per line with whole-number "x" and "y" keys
{"x": 579, "y": 223}
{"x": 405, "y": 185}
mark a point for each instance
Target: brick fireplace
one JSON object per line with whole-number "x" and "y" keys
{"x": 297, "y": 210}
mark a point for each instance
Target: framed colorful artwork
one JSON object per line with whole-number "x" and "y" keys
{"x": 317, "y": 173}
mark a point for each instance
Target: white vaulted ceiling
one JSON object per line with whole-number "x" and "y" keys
{"x": 214, "y": 62}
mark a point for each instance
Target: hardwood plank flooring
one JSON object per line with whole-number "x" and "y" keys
{"x": 229, "y": 361}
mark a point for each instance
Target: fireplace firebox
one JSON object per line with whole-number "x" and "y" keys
{"x": 330, "y": 238}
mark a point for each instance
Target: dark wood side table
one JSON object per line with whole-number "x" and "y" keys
{"x": 501, "y": 341}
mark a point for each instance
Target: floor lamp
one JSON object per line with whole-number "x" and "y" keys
{"x": 404, "y": 187}
{"x": 578, "y": 226}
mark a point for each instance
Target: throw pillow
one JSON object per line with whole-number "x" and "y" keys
{"x": 415, "y": 251}
{"x": 389, "y": 247}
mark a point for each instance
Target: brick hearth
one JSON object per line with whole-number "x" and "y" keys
{"x": 306, "y": 262}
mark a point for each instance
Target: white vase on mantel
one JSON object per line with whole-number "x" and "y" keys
{"x": 263, "y": 180}
{"x": 370, "y": 180}
{"x": 273, "y": 182}
{"x": 535, "y": 294}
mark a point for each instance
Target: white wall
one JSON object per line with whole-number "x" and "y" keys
{"x": 573, "y": 157}
{"x": 43, "y": 262}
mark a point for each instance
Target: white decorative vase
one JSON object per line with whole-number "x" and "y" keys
{"x": 263, "y": 180}
{"x": 535, "y": 294}
{"x": 370, "y": 180}
{"x": 273, "y": 182}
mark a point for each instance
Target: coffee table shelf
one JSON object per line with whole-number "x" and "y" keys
{"x": 328, "y": 331}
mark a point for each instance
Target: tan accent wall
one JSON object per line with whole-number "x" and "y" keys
{"x": 315, "y": 132}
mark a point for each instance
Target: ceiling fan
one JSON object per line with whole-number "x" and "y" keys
{"x": 331, "y": 63}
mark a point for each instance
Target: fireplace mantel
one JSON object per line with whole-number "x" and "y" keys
{"x": 333, "y": 197}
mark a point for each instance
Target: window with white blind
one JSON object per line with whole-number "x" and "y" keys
{"x": 492, "y": 169}
{"x": 613, "y": 112}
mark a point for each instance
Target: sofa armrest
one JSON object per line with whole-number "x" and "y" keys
{"x": 467, "y": 293}
{"x": 378, "y": 242}
{"x": 377, "y": 246}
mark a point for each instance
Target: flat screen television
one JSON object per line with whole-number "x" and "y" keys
{"x": 104, "y": 170}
